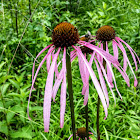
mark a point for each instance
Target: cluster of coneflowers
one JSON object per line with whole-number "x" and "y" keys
{"x": 65, "y": 37}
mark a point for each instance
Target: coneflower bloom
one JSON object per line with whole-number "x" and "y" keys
{"x": 64, "y": 35}
{"x": 104, "y": 35}
{"x": 100, "y": 68}
{"x": 81, "y": 133}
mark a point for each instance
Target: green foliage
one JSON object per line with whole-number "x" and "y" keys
{"x": 123, "y": 121}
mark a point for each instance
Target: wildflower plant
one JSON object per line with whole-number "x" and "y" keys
{"x": 104, "y": 35}
{"x": 64, "y": 38}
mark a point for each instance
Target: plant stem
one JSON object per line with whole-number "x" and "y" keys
{"x": 86, "y": 112}
{"x": 98, "y": 103}
{"x": 70, "y": 91}
{"x": 98, "y": 109}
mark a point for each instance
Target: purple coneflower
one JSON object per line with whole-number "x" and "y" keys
{"x": 64, "y": 36}
{"x": 81, "y": 133}
{"x": 104, "y": 35}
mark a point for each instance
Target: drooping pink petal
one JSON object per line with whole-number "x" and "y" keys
{"x": 48, "y": 93}
{"x": 86, "y": 94}
{"x": 123, "y": 73}
{"x": 82, "y": 72}
{"x": 124, "y": 63}
{"x": 36, "y": 76}
{"x": 98, "y": 55}
{"x": 48, "y": 62}
{"x": 94, "y": 79}
{"x": 105, "y": 75}
{"x": 102, "y": 82}
{"x": 85, "y": 90}
{"x": 72, "y": 53}
{"x": 63, "y": 92}
{"x": 108, "y": 63}
{"x": 103, "y": 53}
{"x": 36, "y": 59}
{"x": 101, "y": 58}
{"x": 108, "y": 58}
{"x": 115, "y": 50}
{"x": 109, "y": 75}
{"x": 92, "y": 41}
{"x": 125, "y": 55}
{"x": 73, "y": 57}
{"x": 131, "y": 51}
{"x": 57, "y": 84}
{"x": 70, "y": 136}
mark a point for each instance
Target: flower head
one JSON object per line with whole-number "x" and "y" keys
{"x": 81, "y": 133}
{"x": 65, "y": 35}
{"x": 107, "y": 33}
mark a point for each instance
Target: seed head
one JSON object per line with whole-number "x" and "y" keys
{"x": 105, "y": 33}
{"x": 81, "y": 132}
{"x": 65, "y": 35}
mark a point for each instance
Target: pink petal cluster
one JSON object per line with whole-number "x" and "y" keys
{"x": 85, "y": 70}
{"x": 117, "y": 43}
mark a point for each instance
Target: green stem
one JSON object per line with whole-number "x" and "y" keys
{"x": 98, "y": 103}
{"x": 70, "y": 91}
{"x": 98, "y": 109}
{"x": 86, "y": 112}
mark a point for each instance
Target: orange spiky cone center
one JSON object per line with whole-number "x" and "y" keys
{"x": 65, "y": 35}
{"x": 105, "y": 33}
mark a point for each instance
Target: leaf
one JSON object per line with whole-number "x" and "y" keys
{"x": 15, "y": 83}
{"x": 104, "y": 5}
{"x": 36, "y": 108}
{"x": 26, "y": 132}
{"x": 14, "y": 95}
{"x": 107, "y": 137}
{"x": 4, "y": 78}
{"x": 3, "y": 127}
{"x": 2, "y": 64}
{"x": 9, "y": 116}
{"x": 21, "y": 134}
{"x": 20, "y": 78}
{"x": 4, "y": 88}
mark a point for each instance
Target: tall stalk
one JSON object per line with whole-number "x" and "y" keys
{"x": 98, "y": 102}
{"x": 30, "y": 11}
{"x": 16, "y": 14}
{"x": 70, "y": 91}
{"x": 86, "y": 112}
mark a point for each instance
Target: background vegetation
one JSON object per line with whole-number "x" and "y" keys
{"x": 123, "y": 121}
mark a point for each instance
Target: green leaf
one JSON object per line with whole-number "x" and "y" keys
{"x": 106, "y": 133}
{"x": 26, "y": 132}
{"x": 3, "y": 127}
{"x": 9, "y": 116}
{"x": 15, "y": 83}
{"x": 2, "y": 64}
{"x": 4, "y": 88}
{"x": 4, "y": 78}
{"x": 14, "y": 95}
{"x": 21, "y": 134}
{"x": 104, "y": 5}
